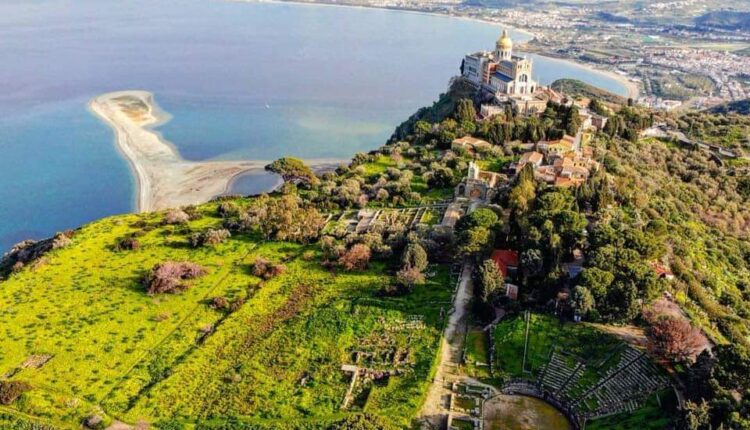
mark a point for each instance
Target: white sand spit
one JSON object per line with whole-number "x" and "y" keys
{"x": 164, "y": 178}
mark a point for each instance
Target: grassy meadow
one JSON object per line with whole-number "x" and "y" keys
{"x": 120, "y": 353}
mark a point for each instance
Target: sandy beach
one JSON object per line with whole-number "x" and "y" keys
{"x": 163, "y": 178}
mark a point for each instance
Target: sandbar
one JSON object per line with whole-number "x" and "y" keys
{"x": 163, "y": 178}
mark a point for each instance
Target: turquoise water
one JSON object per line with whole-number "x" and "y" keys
{"x": 242, "y": 80}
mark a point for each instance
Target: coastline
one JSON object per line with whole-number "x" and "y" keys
{"x": 528, "y": 33}
{"x": 632, "y": 88}
{"x": 163, "y": 179}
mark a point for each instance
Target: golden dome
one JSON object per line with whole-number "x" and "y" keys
{"x": 504, "y": 41}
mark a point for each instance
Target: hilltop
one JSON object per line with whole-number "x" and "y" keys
{"x": 726, "y": 19}
{"x": 325, "y": 304}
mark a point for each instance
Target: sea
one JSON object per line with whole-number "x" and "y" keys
{"x": 242, "y": 80}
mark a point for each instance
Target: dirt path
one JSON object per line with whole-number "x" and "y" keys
{"x": 434, "y": 410}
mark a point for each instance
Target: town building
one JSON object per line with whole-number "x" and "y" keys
{"x": 533, "y": 157}
{"x": 560, "y": 162}
{"x": 506, "y": 261}
{"x": 470, "y": 144}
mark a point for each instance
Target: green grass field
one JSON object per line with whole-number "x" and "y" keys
{"x": 545, "y": 333}
{"x": 123, "y": 354}
{"x": 477, "y": 352}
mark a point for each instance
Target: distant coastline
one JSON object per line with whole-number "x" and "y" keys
{"x": 632, "y": 88}
{"x": 163, "y": 178}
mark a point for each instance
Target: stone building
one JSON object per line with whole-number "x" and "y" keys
{"x": 479, "y": 184}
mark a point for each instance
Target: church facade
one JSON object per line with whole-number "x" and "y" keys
{"x": 479, "y": 185}
{"x": 500, "y": 72}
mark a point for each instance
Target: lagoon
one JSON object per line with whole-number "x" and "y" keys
{"x": 241, "y": 81}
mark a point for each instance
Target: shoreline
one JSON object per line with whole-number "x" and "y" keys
{"x": 528, "y": 33}
{"x": 163, "y": 179}
{"x": 632, "y": 88}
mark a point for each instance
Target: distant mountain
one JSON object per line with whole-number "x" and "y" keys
{"x": 726, "y": 19}
{"x": 578, "y": 88}
{"x": 741, "y": 107}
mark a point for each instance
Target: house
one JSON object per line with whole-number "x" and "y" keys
{"x": 568, "y": 182}
{"x": 662, "y": 271}
{"x": 528, "y": 104}
{"x": 545, "y": 174}
{"x": 506, "y": 261}
{"x": 586, "y": 119}
{"x": 534, "y": 158}
{"x": 488, "y": 111}
{"x": 470, "y": 144}
{"x": 557, "y": 148}
{"x": 598, "y": 121}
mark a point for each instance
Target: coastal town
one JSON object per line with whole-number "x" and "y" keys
{"x": 673, "y": 62}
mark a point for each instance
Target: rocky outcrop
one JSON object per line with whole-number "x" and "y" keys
{"x": 30, "y": 251}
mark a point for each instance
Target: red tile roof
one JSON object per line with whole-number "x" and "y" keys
{"x": 505, "y": 259}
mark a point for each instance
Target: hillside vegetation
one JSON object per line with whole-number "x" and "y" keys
{"x": 79, "y": 327}
{"x": 576, "y": 88}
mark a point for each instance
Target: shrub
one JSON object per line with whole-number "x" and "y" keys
{"x": 263, "y": 268}
{"x": 414, "y": 257}
{"x": 12, "y": 390}
{"x": 260, "y": 266}
{"x": 167, "y": 277}
{"x": 228, "y": 209}
{"x": 210, "y": 237}
{"x": 361, "y": 422}
{"x": 274, "y": 270}
{"x": 61, "y": 240}
{"x": 176, "y": 216}
{"x": 409, "y": 277}
{"x": 236, "y": 304}
{"x": 17, "y": 267}
{"x": 219, "y": 303}
{"x": 94, "y": 422}
{"x": 356, "y": 258}
{"x": 192, "y": 212}
{"x": 128, "y": 244}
